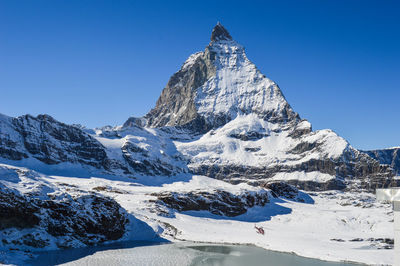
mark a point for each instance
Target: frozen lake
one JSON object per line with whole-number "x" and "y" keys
{"x": 148, "y": 253}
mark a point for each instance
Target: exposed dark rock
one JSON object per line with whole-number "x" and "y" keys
{"x": 109, "y": 189}
{"x": 251, "y": 149}
{"x": 338, "y": 240}
{"x": 220, "y": 33}
{"x": 304, "y": 147}
{"x": 134, "y": 121}
{"x": 16, "y": 211}
{"x": 249, "y": 135}
{"x": 352, "y": 171}
{"x": 180, "y": 93}
{"x": 88, "y": 215}
{"x": 8, "y": 149}
{"x": 378, "y": 243}
{"x": 34, "y": 241}
{"x": 218, "y": 202}
{"x": 146, "y": 164}
{"x": 130, "y": 147}
{"x": 356, "y": 240}
{"x": 387, "y": 156}
{"x": 282, "y": 189}
{"x": 88, "y": 219}
{"x": 298, "y": 130}
{"x": 52, "y": 142}
{"x": 333, "y": 184}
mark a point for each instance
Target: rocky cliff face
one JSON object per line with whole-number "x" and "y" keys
{"x": 218, "y": 202}
{"x": 49, "y": 141}
{"x": 389, "y": 157}
{"x": 44, "y": 143}
{"x": 35, "y": 214}
{"x": 249, "y": 149}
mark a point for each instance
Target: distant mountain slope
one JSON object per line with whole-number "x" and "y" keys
{"x": 390, "y": 156}
{"x": 45, "y": 144}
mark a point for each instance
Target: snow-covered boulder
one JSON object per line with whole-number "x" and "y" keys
{"x": 35, "y": 214}
{"x": 217, "y": 201}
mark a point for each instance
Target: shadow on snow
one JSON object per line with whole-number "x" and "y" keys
{"x": 255, "y": 214}
{"x": 144, "y": 236}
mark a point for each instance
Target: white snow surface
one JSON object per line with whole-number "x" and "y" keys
{"x": 304, "y": 176}
{"x": 238, "y": 86}
{"x": 219, "y": 147}
{"x": 307, "y": 229}
{"x": 155, "y": 145}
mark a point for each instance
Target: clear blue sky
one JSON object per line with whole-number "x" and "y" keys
{"x": 99, "y": 62}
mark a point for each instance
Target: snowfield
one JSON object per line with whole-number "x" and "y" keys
{"x": 305, "y": 229}
{"x": 335, "y": 226}
{"x": 254, "y": 142}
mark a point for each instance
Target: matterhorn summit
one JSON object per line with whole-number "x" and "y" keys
{"x": 217, "y": 85}
{"x": 220, "y": 33}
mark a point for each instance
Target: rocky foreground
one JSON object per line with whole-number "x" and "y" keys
{"x": 198, "y": 208}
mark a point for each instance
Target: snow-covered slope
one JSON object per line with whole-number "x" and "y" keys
{"x": 47, "y": 145}
{"x": 250, "y": 149}
{"x": 38, "y": 214}
{"x": 238, "y": 88}
{"x": 353, "y": 225}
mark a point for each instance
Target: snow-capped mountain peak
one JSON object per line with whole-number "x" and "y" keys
{"x": 217, "y": 85}
{"x": 220, "y": 33}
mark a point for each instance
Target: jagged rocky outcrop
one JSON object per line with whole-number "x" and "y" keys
{"x": 219, "y": 33}
{"x": 347, "y": 172}
{"x": 66, "y": 222}
{"x": 49, "y": 141}
{"x": 390, "y": 156}
{"x": 280, "y": 189}
{"x": 35, "y": 214}
{"x": 310, "y": 160}
{"x": 217, "y": 202}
